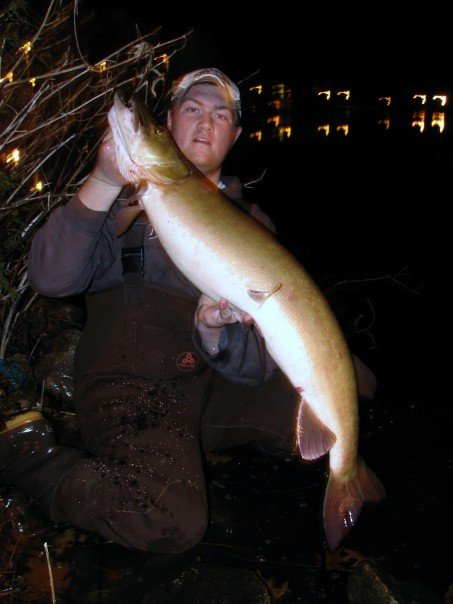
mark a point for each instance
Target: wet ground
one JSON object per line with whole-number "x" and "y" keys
{"x": 372, "y": 229}
{"x": 266, "y": 516}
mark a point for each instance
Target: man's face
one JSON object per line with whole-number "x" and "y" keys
{"x": 203, "y": 126}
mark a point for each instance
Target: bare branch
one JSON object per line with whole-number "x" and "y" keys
{"x": 391, "y": 278}
{"x": 53, "y": 104}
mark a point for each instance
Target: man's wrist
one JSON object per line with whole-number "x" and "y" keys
{"x": 209, "y": 338}
{"x": 97, "y": 193}
{"x": 105, "y": 181}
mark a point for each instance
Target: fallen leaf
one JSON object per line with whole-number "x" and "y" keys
{"x": 214, "y": 459}
{"x": 276, "y": 591}
{"x": 343, "y": 559}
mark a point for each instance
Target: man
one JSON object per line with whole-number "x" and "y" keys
{"x": 147, "y": 400}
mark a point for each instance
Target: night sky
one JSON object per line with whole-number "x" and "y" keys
{"x": 327, "y": 43}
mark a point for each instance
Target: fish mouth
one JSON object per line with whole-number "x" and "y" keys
{"x": 145, "y": 142}
{"x": 128, "y": 111}
{"x": 129, "y": 116}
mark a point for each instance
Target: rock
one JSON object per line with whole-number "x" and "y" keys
{"x": 206, "y": 583}
{"x": 368, "y": 583}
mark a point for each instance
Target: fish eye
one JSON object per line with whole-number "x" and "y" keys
{"x": 158, "y": 130}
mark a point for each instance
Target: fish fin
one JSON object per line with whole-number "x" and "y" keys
{"x": 262, "y": 296}
{"x": 314, "y": 438}
{"x": 125, "y": 218}
{"x": 366, "y": 380}
{"x": 344, "y": 500}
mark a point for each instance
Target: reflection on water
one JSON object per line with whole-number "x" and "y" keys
{"x": 278, "y": 112}
{"x": 369, "y": 196}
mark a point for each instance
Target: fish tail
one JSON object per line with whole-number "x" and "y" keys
{"x": 344, "y": 500}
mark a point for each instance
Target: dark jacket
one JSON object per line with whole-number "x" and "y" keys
{"x": 77, "y": 251}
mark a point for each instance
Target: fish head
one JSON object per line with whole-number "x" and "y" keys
{"x": 145, "y": 149}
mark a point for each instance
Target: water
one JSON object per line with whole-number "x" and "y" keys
{"x": 368, "y": 205}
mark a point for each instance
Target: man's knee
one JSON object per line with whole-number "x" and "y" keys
{"x": 176, "y": 521}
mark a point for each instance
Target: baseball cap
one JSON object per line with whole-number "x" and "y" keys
{"x": 209, "y": 74}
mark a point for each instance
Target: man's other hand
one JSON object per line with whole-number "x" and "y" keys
{"x": 217, "y": 314}
{"x": 211, "y": 316}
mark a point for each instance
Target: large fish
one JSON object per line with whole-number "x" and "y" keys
{"x": 225, "y": 253}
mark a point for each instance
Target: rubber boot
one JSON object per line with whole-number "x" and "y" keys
{"x": 30, "y": 459}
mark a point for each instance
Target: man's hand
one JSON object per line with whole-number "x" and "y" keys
{"x": 104, "y": 184}
{"x": 106, "y": 168}
{"x": 211, "y": 316}
{"x": 218, "y": 314}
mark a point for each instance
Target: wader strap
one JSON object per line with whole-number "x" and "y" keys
{"x": 133, "y": 261}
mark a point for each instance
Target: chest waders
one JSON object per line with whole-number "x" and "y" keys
{"x": 141, "y": 400}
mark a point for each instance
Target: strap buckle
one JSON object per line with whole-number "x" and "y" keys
{"x": 132, "y": 259}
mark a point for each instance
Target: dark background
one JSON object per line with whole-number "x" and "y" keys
{"x": 299, "y": 41}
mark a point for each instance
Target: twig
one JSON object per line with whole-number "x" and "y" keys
{"x": 249, "y": 184}
{"x": 38, "y": 33}
{"x": 249, "y": 76}
{"x": 52, "y": 590}
{"x": 27, "y": 178}
{"x": 394, "y": 279}
{"x": 11, "y": 318}
{"x": 54, "y": 107}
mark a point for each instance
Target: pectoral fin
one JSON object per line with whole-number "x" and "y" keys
{"x": 125, "y": 218}
{"x": 261, "y": 296}
{"x": 313, "y": 437}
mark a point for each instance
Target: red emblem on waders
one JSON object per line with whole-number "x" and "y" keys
{"x": 187, "y": 361}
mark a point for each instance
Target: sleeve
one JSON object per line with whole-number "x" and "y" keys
{"x": 242, "y": 357}
{"x": 64, "y": 251}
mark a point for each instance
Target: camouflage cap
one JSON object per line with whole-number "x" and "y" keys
{"x": 209, "y": 74}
